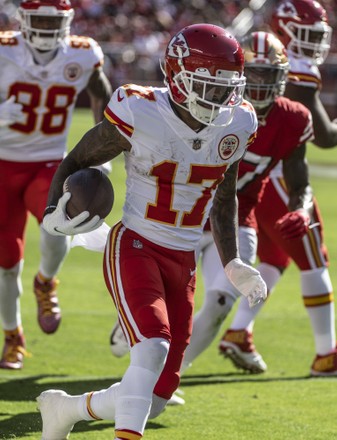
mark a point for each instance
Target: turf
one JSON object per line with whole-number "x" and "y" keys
{"x": 221, "y": 402}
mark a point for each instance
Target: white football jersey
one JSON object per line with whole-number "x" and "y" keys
{"x": 48, "y": 94}
{"x": 304, "y": 72}
{"x": 172, "y": 171}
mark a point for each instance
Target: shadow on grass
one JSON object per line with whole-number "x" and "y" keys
{"x": 26, "y": 389}
{"x": 236, "y": 377}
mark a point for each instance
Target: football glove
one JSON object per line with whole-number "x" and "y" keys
{"x": 247, "y": 280}
{"x": 10, "y": 112}
{"x": 58, "y": 223}
{"x": 294, "y": 224}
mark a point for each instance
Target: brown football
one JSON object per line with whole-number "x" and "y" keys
{"x": 91, "y": 190}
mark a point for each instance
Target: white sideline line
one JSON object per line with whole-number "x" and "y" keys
{"x": 326, "y": 171}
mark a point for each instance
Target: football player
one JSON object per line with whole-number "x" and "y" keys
{"x": 302, "y": 26}
{"x": 43, "y": 69}
{"x": 266, "y": 69}
{"x": 178, "y": 142}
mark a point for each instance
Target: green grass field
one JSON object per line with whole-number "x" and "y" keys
{"x": 221, "y": 402}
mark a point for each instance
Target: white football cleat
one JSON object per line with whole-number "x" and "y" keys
{"x": 118, "y": 343}
{"x": 54, "y": 423}
{"x": 175, "y": 399}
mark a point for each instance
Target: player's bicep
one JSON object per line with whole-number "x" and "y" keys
{"x": 100, "y": 144}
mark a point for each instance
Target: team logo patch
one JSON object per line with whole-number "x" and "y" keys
{"x": 178, "y": 47}
{"x": 227, "y": 146}
{"x": 72, "y": 71}
{"x": 287, "y": 10}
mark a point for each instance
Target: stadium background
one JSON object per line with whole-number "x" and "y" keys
{"x": 133, "y": 34}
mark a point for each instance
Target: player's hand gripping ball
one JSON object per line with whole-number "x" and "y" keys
{"x": 91, "y": 190}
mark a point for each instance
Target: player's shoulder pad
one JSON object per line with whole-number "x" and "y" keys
{"x": 293, "y": 114}
{"x": 86, "y": 45}
{"x": 133, "y": 93}
{"x": 304, "y": 72}
{"x": 247, "y": 109}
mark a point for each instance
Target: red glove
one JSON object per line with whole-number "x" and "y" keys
{"x": 294, "y": 224}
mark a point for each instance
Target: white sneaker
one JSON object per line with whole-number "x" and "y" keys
{"x": 54, "y": 425}
{"x": 175, "y": 399}
{"x": 118, "y": 343}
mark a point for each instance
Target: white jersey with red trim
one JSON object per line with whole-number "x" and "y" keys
{"x": 48, "y": 94}
{"x": 172, "y": 171}
{"x": 303, "y": 72}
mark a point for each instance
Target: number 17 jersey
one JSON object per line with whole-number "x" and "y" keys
{"x": 173, "y": 171}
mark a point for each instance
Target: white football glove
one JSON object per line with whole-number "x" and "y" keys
{"x": 58, "y": 223}
{"x": 247, "y": 280}
{"x": 10, "y": 112}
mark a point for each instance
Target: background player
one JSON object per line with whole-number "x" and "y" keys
{"x": 178, "y": 142}
{"x": 302, "y": 25}
{"x": 43, "y": 69}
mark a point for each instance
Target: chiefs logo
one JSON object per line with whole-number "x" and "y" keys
{"x": 178, "y": 47}
{"x": 72, "y": 71}
{"x": 227, "y": 146}
{"x": 287, "y": 10}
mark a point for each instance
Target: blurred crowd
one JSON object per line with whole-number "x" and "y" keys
{"x": 133, "y": 34}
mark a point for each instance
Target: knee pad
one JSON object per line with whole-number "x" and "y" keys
{"x": 150, "y": 354}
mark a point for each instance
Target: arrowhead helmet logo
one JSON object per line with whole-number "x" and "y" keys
{"x": 178, "y": 47}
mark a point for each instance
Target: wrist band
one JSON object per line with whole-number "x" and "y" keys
{"x": 49, "y": 209}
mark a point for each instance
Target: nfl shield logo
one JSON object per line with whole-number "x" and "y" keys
{"x": 196, "y": 144}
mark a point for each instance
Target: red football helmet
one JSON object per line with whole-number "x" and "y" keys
{"x": 266, "y": 68}
{"x": 302, "y": 26}
{"x": 203, "y": 71}
{"x": 45, "y": 23}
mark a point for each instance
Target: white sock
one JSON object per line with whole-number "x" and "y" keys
{"x": 245, "y": 316}
{"x": 10, "y": 292}
{"x": 99, "y": 404}
{"x": 53, "y": 252}
{"x": 318, "y": 300}
{"x": 133, "y": 403}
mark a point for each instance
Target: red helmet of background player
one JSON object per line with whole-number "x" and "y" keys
{"x": 302, "y": 26}
{"x": 45, "y": 23}
{"x": 266, "y": 68}
{"x": 203, "y": 70}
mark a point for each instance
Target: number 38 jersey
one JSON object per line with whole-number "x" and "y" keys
{"x": 47, "y": 93}
{"x": 172, "y": 171}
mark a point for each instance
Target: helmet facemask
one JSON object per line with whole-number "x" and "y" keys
{"x": 266, "y": 68}
{"x": 309, "y": 41}
{"x": 206, "y": 95}
{"x": 46, "y": 27}
{"x": 264, "y": 84}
